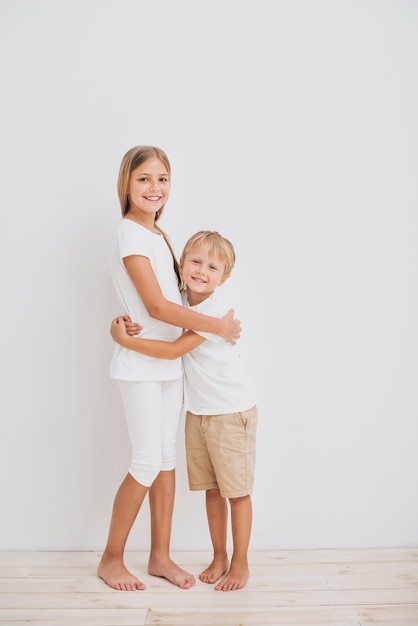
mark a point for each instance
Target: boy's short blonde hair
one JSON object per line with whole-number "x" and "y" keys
{"x": 219, "y": 247}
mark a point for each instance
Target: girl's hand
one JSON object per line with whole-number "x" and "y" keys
{"x": 118, "y": 330}
{"x": 132, "y": 328}
{"x": 232, "y": 327}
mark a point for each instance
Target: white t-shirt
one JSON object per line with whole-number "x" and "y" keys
{"x": 215, "y": 377}
{"x": 131, "y": 238}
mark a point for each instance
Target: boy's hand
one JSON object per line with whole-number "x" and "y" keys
{"x": 132, "y": 328}
{"x": 118, "y": 330}
{"x": 232, "y": 327}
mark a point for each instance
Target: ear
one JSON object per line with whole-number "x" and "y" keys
{"x": 224, "y": 279}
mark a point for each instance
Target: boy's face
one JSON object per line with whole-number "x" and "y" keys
{"x": 201, "y": 273}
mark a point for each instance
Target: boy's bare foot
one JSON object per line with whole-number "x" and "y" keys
{"x": 236, "y": 578}
{"x": 215, "y": 571}
{"x": 168, "y": 569}
{"x": 115, "y": 574}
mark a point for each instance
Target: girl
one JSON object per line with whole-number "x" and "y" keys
{"x": 147, "y": 280}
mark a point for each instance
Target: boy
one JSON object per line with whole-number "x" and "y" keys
{"x": 221, "y": 414}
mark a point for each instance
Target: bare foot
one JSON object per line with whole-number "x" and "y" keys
{"x": 215, "y": 571}
{"x": 115, "y": 574}
{"x": 236, "y": 578}
{"x": 168, "y": 569}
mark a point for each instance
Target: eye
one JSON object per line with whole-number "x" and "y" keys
{"x": 163, "y": 179}
{"x": 143, "y": 179}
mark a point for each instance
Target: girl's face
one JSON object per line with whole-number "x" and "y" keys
{"x": 201, "y": 273}
{"x": 149, "y": 187}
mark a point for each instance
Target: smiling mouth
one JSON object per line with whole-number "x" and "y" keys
{"x": 152, "y": 198}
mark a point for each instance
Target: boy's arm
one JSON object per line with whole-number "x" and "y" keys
{"x": 132, "y": 328}
{"x": 154, "y": 347}
{"x": 142, "y": 275}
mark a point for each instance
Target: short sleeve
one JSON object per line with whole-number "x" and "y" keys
{"x": 132, "y": 241}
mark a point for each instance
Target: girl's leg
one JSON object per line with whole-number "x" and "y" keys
{"x": 140, "y": 401}
{"x": 241, "y": 521}
{"x": 111, "y": 568}
{"x": 161, "y": 493}
{"x": 217, "y": 514}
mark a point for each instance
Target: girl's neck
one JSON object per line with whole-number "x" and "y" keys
{"x": 149, "y": 224}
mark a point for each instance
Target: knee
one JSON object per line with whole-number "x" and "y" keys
{"x": 168, "y": 456}
{"x": 146, "y": 464}
{"x": 144, "y": 475}
{"x": 213, "y": 493}
{"x": 239, "y": 500}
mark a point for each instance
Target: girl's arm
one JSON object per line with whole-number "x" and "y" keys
{"x": 153, "y": 347}
{"x": 143, "y": 277}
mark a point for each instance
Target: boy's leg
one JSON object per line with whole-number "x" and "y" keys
{"x": 241, "y": 521}
{"x": 217, "y": 514}
{"x": 127, "y": 503}
{"x": 161, "y": 499}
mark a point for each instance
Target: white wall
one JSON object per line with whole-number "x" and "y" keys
{"x": 292, "y": 129}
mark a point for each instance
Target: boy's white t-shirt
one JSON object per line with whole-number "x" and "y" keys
{"x": 129, "y": 239}
{"x": 215, "y": 378}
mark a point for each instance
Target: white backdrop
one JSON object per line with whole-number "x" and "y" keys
{"x": 291, "y": 126}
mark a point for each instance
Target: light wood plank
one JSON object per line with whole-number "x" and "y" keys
{"x": 393, "y": 615}
{"x": 73, "y": 617}
{"x": 95, "y": 585}
{"x": 377, "y": 580}
{"x": 194, "y": 598}
{"x": 312, "y": 616}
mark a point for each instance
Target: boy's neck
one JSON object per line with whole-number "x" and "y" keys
{"x": 196, "y": 298}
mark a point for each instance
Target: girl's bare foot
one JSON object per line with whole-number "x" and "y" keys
{"x": 215, "y": 571}
{"x": 168, "y": 569}
{"x": 236, "y": 578}
{"x": 115, "y": 574}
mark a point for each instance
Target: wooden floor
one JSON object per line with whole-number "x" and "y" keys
{"x": 318, "y": 587}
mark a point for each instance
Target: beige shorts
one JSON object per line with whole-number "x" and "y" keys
{"x": 220, "y": 452}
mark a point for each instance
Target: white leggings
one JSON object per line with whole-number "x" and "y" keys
{"x": 152, "y": 411}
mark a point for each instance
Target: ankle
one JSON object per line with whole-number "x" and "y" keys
{"x": 220, "y": 555}
{"x": 239, "y": 560}
{"x": 110, "y": 557}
